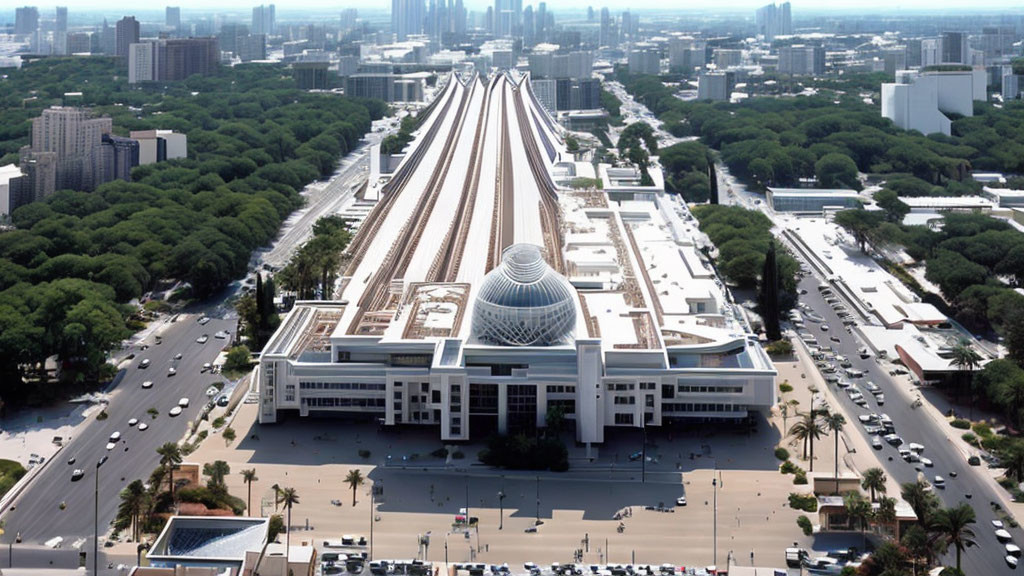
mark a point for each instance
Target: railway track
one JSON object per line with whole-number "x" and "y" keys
{"x": 378, "y": 290}
{"x": 389, "y": 193}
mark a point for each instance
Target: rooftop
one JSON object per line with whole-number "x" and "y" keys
{"x": 223, "y": 539}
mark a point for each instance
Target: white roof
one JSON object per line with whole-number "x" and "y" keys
{"x": 7, "y": 172}
{"x": 946, "y": 202}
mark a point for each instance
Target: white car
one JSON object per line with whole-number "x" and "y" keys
{"x": 144, "y": 363}
{"x": 147, "y": 384}
{"x": 915, "y": 447}
{"x": 824, "y": 327}
{"x": 1003, "y": 536}
{"x": 1011, "y": 561}
{"x": 1013, "y": 550}
{"x": 77, "y": 474}
{"x": 111, "y": 445}
{"x": 143, "y": 426}
{"x": 876, "y": 443}
{"x": 175, "y": 411}
{"x": 177, "y": 356}
{"x": 203, "y": 339}
{"x": 172, "y": 371}
{"x": 880, "y": 398}
{"x": 221, "y": 335}
{"x": 115, "y": 437}
{"x": 681, "y": 501}
{"x": 133, "y": 421}
{"x": 212, "y": 391}
{"x": 997, "y": 524}
{"x": 940, "y": 482}
{"x": 203, "y": 320}
{"x": 866, "y": 418}
{"x": 927, "y": 462}
{"x": 183, "y": 403}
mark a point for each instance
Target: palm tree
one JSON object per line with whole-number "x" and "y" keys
{"x": 217, "y": 470}
{"x": 859, "y": 511}
{"x": 1011, "y": 395}
{"x": 834, "y": 422}
{"x": 886, "y": 512}
{"x": 354, "y": 481}
{"x": 133, "y": 501}
{"x": 807, "y": 429}
{"x": 170, "y": 456}
{"x": 249, "y": 476}
{"x": 951, "y": 526}
{"x": 874, "y": 480}
{"x": 966, "y": 360}
{"x": 288, "y": 498}
{"x": 277, "y": 496}
{"x": 920, "y": 499}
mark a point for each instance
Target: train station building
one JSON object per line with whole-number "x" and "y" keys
{"x": 478, "y": 295}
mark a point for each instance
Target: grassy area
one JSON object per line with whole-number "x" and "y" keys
{"x": 10, "y": 473}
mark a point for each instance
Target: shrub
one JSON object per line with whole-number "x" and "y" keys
{"x": 805, "y": 524}
{"x": 229, "y": 435}
{"x": 102, "y": 415}
{"x": 782, "y": 454}
{"x": 239, "y": 358}
{"x": 779, "y": 348}
{"x": 521, "y": 452}
{"x": 785, "y": 388}
{"x": 153, "y": 412}
{"x": 961, "y": 424}
{"x": 970, "y": 438}
{"x": 364, "y": 454}
{"x": 800, "y": 478}
{"x": 805, "y": 502}
{"x": 275, "y": 527}
{"x": 788, "y": 467}
{"x": 218, "y": 422}
{"x": 440, "y": 453}
{"x": 202, "y": 435}
{"x": 982, "y": 429}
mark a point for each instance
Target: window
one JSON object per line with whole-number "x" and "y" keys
{"x": 625, "y": 400}
{"x": 703, "y": 389}
{"x": 456, "y": 430}
{"x": 344, "y": 356}
{"x": 289, "y": 393}
{"x": 435, "y": 396}
{"x": 667, "y": 391}
{"x": 624, "y": 419}
{"x": 424, "y": 386}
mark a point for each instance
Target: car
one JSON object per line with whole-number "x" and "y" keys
{"x": 183, "y": 403}
{"x": 77, "y": 474}
{"x": 927, "y": 462}
{"x": 172, "y": 371}
{"x": 133, "y": 421}
{"x": 115, "y": 437}
{"x": 203, "y": 339}
{"x": 824, "y": 327}
{"x": 144, "y": 363}
{"x": 635, "y": 456}
{"x": 952, "y": 473}
{"x": 211, "y": 391}
{"x": 939, "y": 482}
{"x": 865, "y": 418}
{"x": 111, "y": 446}
{"x": 206, "y": 367}
{"x": 203, "y": 321}
{"x": 222, "y": 401}
{"x": 876, "y": 442}
{"x": 1003, "y": 536}
{"x": 177, "y": 356}
{"x": 873, "y": 430}
{"x": 1013, "y": 550}
{"x": 997, "y": 524}
{"x": 872, "y": 387}
{"x": 916, "y": 447}
{"x": 681, "y": 501}
{"x": 1011, "y": 561}
{"x": 221, "y": 335}
{"x": 147, "y": 384}
{"x": 893, "y": 439}
{"x": 143, "y": 426}
{"x": 974, "y": 461}
{"x": 175, "y": 411}
{"x": 71, "y": 461}
{"x": 834, "y": 339}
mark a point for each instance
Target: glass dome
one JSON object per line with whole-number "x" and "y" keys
{"x": 524, "y": 302}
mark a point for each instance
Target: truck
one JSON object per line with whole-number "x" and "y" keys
{"x": 795, "y": 557}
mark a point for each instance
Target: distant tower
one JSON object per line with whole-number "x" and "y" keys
{"x": 172, "y": 17}
{"x": 406, "y": 18}
{"x": 126, "y": 33}
{"x": 62, "y": 19}
{"x": 26, "y": 20}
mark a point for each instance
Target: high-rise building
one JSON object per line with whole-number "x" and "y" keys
{"x": 605, "y": 35}
{"x": 160, "y": 145}
{"x": 230, "y": 35}
{"x": 377, "y": 86}
{"x": 116, "y": 158}
{"x": 179, "y": 58}
{"x": 406, "y": 18}
{"x": 507, "y": 17}
{"x": 685, "y": 55}
{"x": 716, "y": 86}
{"x": 252, "y": 47}
{"x": 997, "y": 42}
{"x": 529, "y": 27}
{"x": 74, "y": 136}
{"x": 141, "y": 62}
{"x": 931, "y": 52}
{"x": 774, "y": 20}
{"x": 61, "y": 23}
{"x": 77, "y": 43}
{"x": 955, "y": 49}
{"x": 541, "y": 22}
{"x": 645, "y": 61}
{"x": 349, "y": 16}
{"x": 1011, "y": 86}
{"x": 26, "y": 20}
{"x": 108, "y": 39}
{"x": 799, "y": 60}
{"x": 172, "y": 17}
{"x": 126, "y": 33}
{"x": 311, "y": 75}
{"x": 264, "y": 19}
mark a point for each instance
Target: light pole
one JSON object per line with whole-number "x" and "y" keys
{"x": 371, "y": 522}
{"x": 714, "y": 488}
{"x": 643, "y": 449}
{"x": 501, "y": 509}
{"x": 96, "y": 523}
{"x": 538, "y": 501}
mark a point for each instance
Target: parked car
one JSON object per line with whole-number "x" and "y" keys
{"x": 175, "y": 411}
{"x": 876, "y": 442}
{"x": 203, "y": 339}
{"x": 144, "y": 363}
{"x": 147, "y": 384}
{"x": 77, "y": 474}
{"x": 183, "y": 402}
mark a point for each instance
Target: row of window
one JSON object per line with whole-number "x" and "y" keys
{"x": 701, "y": 407}
{"x": 340, "y": 386}
{"x": 711, "y": 389}
{"x": 560, "y": 389}
{"x": 344, "y": 402}
{"x": 625, "y": 400}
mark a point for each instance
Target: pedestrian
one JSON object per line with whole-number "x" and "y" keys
{"x": 751, "y": 557}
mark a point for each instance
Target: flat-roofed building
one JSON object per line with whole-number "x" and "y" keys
{"x": 479, "y": 295}
{"x": 811, "y": 200}
{"x": 716, "y": 86}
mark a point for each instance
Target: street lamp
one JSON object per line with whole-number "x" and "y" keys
{"x": 538, "y": 501}
{"x": 371, "y": 522}
{"x": 714, "y": 537}
{"x": 96, "y": 524}
{"x": 501, "y": 509}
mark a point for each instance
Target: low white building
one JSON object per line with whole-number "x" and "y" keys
{"x": 920, "y": 100}
{"x": 160, "y": 145}
{"x": 6, "y": 173}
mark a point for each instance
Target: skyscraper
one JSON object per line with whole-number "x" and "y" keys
{"x": 126, "y": 33}
{"x": 172, "y": 17}
{"x": 604, "y": 38}
{"x": 74, "y": 137}
{"x": 406, "y": 18}
{"x": 61, "y": 24}
{"x": 26, "y": 20}
{"x": 264, "y": 19}
{"x": 774, "y": 20}
{"x": 955, "y": 49}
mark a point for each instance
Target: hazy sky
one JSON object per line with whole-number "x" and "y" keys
{"x": 661, "y": 5}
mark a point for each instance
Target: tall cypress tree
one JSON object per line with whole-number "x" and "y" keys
{"x": 769, "y": 295}
{"x": 713, "y": 180}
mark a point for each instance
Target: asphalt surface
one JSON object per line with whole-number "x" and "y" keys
{"x": 37, "y": 516}
{"x": 914, "y": 425}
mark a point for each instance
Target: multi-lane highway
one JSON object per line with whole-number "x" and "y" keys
{"x": 37, "y": 515}
{"x": 913, "y": 425}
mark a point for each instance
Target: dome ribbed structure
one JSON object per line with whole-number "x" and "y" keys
{"x": 524, "y": 302}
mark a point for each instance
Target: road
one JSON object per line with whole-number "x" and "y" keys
{"x": 37, "y": 516}
{"x": 914, "y": 425}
